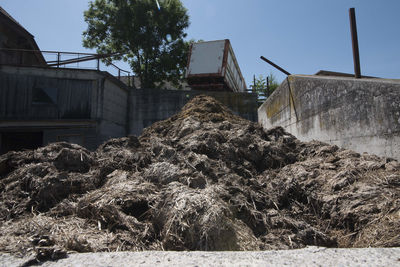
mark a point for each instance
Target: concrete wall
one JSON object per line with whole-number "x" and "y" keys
{"x": 81, "y": 106}
{"x": 360, "y": 114}
{"x": 150, "y": 105}
{"x": 89, "y": 107}
{"x": 74, "y": 93}
{"x": 114, "y": 121}
{"x": 19, "y": 97}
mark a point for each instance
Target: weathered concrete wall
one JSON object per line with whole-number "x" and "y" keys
{"x": 81, "y": 106}
{"x": 20, "y": 97}
{"x": 360, "y": 114}
{"x": 89, "y": 107}
{"x": 114, "y": 122}
{"x": 84, "y": 133}
{"x": 150, "y": 105}
{"x": 23, "y": 93}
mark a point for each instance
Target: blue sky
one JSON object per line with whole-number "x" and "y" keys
{"x": 302, "y": 36}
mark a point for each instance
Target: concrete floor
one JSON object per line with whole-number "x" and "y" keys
{"x": 310, "y": 256}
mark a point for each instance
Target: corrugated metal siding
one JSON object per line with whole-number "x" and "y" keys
{"x": 73, "y": 98}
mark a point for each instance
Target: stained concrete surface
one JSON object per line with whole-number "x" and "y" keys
{"x": 310, "y": 256}
{"x": 358, "y": 114}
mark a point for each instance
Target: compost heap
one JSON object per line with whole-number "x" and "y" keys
{"x": 203, "y": 179}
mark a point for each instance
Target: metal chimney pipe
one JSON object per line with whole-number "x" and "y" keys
{"x": 354, "y": 39}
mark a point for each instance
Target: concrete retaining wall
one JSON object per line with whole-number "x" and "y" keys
{"x": 360, "y": 114}
{"x": 88, "y": 107}
{"x": 150, "y": 105}
{"x": 23, "y": 96}
{"x": 85, "y": 107}
{"x": 114, "y": 121}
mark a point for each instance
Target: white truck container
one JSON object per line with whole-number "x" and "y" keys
{"x": 213, "y": 66}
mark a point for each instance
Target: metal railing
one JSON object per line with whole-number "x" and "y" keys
{"x": 262, "y": 94}
{"x": 58, "y": 59}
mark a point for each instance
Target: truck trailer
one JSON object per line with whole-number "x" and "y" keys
{"x": 212, "y": 65}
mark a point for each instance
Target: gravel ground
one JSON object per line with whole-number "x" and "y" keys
{"x": 310, "y": 256}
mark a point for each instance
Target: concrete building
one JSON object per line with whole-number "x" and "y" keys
{"x": 40, "y": 104}
{"x": 359, "y": 114}
{"x": 43, "y": 105}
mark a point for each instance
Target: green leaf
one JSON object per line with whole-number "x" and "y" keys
{"x": 151, "y": 39}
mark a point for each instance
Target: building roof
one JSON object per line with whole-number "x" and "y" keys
{"x": 16, "y": 26}
{"x": 10, "y": 18}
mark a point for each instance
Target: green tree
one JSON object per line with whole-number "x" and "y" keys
{"x": 264, "y": 86}
{"x": 147, "y": 33}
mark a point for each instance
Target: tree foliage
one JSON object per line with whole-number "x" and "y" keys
{"x": 264, "y": 86}
{"x": 148, "y": 36}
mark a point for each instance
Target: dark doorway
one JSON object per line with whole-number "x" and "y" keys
{"x": 15, "y": 141}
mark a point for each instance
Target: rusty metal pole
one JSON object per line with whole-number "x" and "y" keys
{"x": 354, "y": 40}
{"x": 274, "y": 65}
